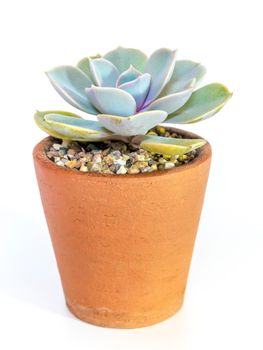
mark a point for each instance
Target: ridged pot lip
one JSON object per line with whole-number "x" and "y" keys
{"x": 204, "y": 154}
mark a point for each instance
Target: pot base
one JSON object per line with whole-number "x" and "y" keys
{"x": 105, "y": 317}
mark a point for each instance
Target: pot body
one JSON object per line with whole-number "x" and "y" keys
{"x": 123, "y": 243}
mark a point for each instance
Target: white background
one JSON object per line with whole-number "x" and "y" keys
{"x": 223, "y": 306}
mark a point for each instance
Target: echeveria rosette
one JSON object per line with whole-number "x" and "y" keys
{"x": 130, "y": 94}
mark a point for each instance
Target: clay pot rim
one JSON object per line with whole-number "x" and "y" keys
{"x": 204, "y": 153}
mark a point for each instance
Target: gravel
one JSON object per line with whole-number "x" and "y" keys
{"x": 115, "y": 157}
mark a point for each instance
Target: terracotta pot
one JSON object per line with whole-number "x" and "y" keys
{"x": 123, "y": 243}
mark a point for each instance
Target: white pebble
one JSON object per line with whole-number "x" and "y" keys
{"x": 120, "y": 162}
{"x": 140, "y": 157}
{"x": 169, "y": 165}
{"x": 57, "y": 146}
{"x": 83, "y": 168}
{"x": 60, "y": 163}
{"x": 122, "y": 170}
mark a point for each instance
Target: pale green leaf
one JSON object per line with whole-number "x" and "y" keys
{"x": 77, "y": 129}
{"x": 170, "y": 146}
{"x": 202, "y": 104}
{"x": 43, "y": 125}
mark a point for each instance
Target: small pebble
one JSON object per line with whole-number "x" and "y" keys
{"x": 120, "y": 162}
{"x": 125, "y": 157}
{"x": 52, "y": 154}
{"x": 96, "y": 158}
{"x": 60, "y": 163}
{"x": 122, "y": 170}
{"x": 140, "y": 157}
{"x": 116, "y": 154}
{"x": 62, "y": 152}
{"x": 174, "y": 159}
{"x": 182, "y": 157}
{"x": 83, "y": 160}
{"x": 96, "y": 168}
{"x": 83, "y": 168}
{"x": 141, "y": 165}
{"x": 133, "y": 170}
{"x": 147, "y": 169}
{"x": 154, "y": 167}
{"x": 71, "y": 152}
{"x": 161, "y": 130}
{"x": 57, "y": 146}
{"x": 169, "y": 165}
{"x": 71, "y": 163}
{"x": 113, "y": 168}
{"x": 109, "y": 159}
{"x": 162, "y": 160}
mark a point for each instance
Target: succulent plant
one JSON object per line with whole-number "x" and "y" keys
{"x": 130, "y": 94}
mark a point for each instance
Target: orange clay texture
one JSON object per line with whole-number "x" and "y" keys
{"x": 123, "y": 243}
